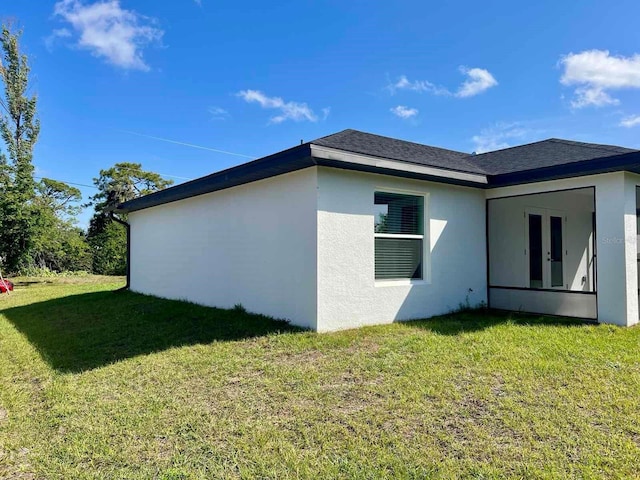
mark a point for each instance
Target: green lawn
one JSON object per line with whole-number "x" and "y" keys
{"x": 101, "y": 384}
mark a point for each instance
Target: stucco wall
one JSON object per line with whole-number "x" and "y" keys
{"x": 301, "y": 246}
{"x": 563, "y": 303}
{"x": 348, "y": 294}
{"x": 253, "y": 244}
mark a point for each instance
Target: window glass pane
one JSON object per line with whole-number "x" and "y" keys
{"x": 399, "y": 214}
{"x": 398, "y": 258}
{"x": 556, "y": 251}
{"x": 535, "y": 251}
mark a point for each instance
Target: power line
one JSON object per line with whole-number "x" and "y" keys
{"x": 131, "y": 169}
{"x": 200, "y": 147}
{"x": 174, "y": 176}
{"x": 68, "y": 183}
{"x": 161, "y": 174}
{"x": 121, "y": 168}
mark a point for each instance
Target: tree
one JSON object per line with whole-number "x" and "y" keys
{"x": 59, "y": 197}
{"x": 59, "y": 245}
{"x": 125, "y": 181}
{"x": 19, "y": 128}
{"x": 109, "y": 249}
{"x": 120, "y": 183}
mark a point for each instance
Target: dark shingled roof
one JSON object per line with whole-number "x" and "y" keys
{"x": 391, "y": 148}
{"x": 545, "y": 160}
{"x": 546, "y": 153}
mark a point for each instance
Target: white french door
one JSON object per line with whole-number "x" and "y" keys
{"x": 545, "y": 248}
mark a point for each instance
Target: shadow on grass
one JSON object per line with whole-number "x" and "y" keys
{"x": 82, "y": 332}
{"x": 28, "y": 283}
{"x": 482, "y": 319}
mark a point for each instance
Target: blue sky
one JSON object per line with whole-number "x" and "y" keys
{"x": 252, "y": 78}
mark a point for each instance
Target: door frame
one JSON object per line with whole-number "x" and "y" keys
{"x": 546, "y": 214}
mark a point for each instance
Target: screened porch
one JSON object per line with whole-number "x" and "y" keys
{"x": 542, "y": 253}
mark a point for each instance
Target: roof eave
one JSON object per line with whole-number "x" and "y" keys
{"x": 290, "y": 160}
{"x": 623, "y": 162}
{"x": 297, "y": 158}
{"x": 332, "y": 157}
{"x": 308, "y": 155}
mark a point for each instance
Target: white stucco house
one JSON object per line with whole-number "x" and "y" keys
{"x": 357, "y": 229}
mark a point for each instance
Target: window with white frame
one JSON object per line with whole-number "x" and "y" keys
{"x": 399, "y": 236}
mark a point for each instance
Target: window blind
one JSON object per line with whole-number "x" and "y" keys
{"x": 399, "y": 214}
{"x": 398, "y": 258}
{"x": 399, "y": 235}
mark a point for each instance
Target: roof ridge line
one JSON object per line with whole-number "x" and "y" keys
{"x": 510, "y": 148}
{"x": 594, "y": 146}
{"x": 482, "y": 172}
{"x": 332, "y": 134}
{"x": 464, "y": 154}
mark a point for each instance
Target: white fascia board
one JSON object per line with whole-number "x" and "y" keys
{"x": 340, "y": 155}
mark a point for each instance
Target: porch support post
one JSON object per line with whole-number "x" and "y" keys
{"x": 617, "y": 250}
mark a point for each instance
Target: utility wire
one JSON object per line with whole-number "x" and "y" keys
{"x": 162, "y": 140}
{"x": 69, "y": 183}
{"x": 188, "y": 144}
{"x": 161, "y": 174}
{"x": 93, "y": 186}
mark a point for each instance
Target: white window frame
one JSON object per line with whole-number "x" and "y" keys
{"x": 425, "y": 237}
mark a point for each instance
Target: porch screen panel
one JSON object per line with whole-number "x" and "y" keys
{"x": 557, "y": 278}
{"x": 399, "y": 236}
{"x": 535, "y": 251}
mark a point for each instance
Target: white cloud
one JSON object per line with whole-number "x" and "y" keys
{"x": 288, "y": 110}
{"x": 586, "y": 96}
{"x": 110, "y": 32}
{"x": 326, "y": 112}
{"x": 198, "y": 2}
{"x": 420, "y": 86}
{"x": 404, "y": 112}
{"x": 595, "y": 72}
{"x": 58, "y": 33}
{"x": 499, "y": 136}
{"x": 218, "y": 113}
{"x": 479, "y": 80}
{"x": 62, "y": 33}
{"x": 630, "y": 121}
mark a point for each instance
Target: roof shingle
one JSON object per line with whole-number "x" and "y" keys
{"x": 546, "y": 153}
{"x": 544, "y": 160}
{"x": 391, "y": 148}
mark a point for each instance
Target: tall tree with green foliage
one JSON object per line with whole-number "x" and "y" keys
{"x": 59, "y": 245}
{"x": 59, "y": 197}
{"x": 120, "y": 183}
{"x": 19, "y": 128}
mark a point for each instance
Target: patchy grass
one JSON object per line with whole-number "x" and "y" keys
{"x": 102, "y": 384}
{"x": 56, "y": 280}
